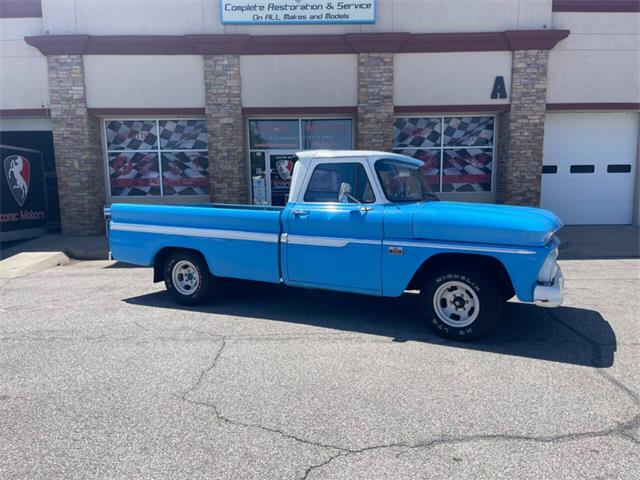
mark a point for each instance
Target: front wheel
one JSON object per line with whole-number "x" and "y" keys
{"x": 187, "y": 278}
{"x": 461, "y": 303}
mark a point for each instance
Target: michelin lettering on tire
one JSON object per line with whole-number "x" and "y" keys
{"x": 464, "y": 295}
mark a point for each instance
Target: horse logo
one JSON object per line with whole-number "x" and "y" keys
{"x": 17, "y": 170}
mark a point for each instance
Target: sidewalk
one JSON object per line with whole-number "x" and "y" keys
{"x": 589, "y": 242}
{"x": 80, "y": 248}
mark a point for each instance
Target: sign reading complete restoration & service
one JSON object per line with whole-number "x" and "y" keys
{"x": 297, "y": 11}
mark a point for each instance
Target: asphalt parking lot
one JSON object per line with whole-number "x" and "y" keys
{"x": 103, "y": 376}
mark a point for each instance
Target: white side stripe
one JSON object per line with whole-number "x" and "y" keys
{"x": 328, "y": 241}
{"x": 196, "y": 232}
{"x": 300, "y": 239}
{"x": 448, "y": 246}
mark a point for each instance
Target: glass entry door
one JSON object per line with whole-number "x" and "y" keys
{"x": 273, "y": 142}
{"x": 280, "y": 166}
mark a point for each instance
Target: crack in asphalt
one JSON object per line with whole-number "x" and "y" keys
{"x": 627, "y": 429}
{"x": 620, "y": 430}
{"x": 224, "y": 419}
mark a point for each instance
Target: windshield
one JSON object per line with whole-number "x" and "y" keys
{"x": 404, "y": 182}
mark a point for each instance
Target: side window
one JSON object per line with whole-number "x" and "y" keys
{"x": 324, "y": 185}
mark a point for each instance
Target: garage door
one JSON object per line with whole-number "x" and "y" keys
{"x": 590, "y": 162}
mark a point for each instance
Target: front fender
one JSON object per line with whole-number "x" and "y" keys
{"x": 402, "y": 259}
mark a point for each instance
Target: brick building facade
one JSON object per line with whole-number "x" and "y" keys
{"x": 205, "y": 112}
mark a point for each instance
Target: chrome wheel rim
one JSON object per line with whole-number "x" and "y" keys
{"x": 185, "y": 277}
{"x": 456, "y": 304}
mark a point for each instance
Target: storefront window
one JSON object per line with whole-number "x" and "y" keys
{"x": 274, "y": 134}
{"x": 458, "y": 151}
{"x": 326, "y": 134}
{"x": 273, "y": 143}
{"x": 157, "y": 157}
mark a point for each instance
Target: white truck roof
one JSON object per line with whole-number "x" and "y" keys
{"x": 306, "y": 158}
{"x": 339, "y": 153}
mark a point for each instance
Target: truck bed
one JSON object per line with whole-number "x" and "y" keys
{"x": 237, "y": 241}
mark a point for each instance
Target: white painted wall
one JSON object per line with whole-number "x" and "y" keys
{"x": 170, "y": 17}
{"x": 131, "y": 17}
{"x": 468, "y": 15}
{"x": 599, "y": 61}
{"x": 299, "y": 80}
{"x": 457, "y": 78}
{"x": 23, "y": 70}
{"x": 128, "y": 81}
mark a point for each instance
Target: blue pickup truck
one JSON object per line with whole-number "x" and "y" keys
{"x": 361, "y": 222}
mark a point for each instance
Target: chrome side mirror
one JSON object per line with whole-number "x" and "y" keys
{"x": 345, "y": 193}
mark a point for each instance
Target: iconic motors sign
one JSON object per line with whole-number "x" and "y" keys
{"x": 22, "y": 194}
{"x": 297, "y": 11}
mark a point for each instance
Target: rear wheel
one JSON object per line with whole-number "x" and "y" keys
{"x": 461, "y": 303}
{"x": 187, "y": 278}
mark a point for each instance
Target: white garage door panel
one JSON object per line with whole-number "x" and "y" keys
{"x": 591, "y": 123}
{"x": 591, "y": 192}
{"x": 601, "y": 147}
{"x": 590, "y": 139}
{"x": 610, "y": 213}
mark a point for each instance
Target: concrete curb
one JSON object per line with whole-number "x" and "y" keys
{"x": 31, "y": 262}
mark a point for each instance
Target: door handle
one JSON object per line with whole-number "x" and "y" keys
{"x": 301, "y": 213}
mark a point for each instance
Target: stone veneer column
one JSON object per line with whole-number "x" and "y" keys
{"x": 228, "y": 178}
{"x": 77, "y": 147}
{"x": 375, "y": 101}
{"x": 521, "y": 131}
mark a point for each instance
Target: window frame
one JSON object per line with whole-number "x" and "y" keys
{"x": 104, "y": 121}
{"x": 384, "y": 191}
{"x": 319, "y": 164}
{"x": 287, "y": 117}
{"x": 441, "y": 149}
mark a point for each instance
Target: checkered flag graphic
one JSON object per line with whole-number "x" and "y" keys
{"x": 183, "y": 134}
{"x": 467, "y": 170}
{"x": 416, "y": 132}
{"x": 468, "y": 131}
{"x": 132, "y": 135}
{"x": 134, "y": 174}
{"x": 185, "y": 173}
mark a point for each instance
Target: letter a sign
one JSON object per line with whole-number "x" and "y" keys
{"x": 499, "y": 90}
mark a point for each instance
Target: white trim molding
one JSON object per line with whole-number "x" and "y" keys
{"x": 449, "y": 246}
{"x": 328, "y": 241}
{"x": 196, "y": 232}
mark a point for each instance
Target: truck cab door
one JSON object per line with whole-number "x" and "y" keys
{"x": 331, "y": 243}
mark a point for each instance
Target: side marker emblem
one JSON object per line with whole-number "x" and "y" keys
{"x": 395, "y": 250}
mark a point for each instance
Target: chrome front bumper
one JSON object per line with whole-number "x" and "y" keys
{"x": 550, "y": 296}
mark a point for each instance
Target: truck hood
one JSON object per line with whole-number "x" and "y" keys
{"x": 484, "y": 223}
